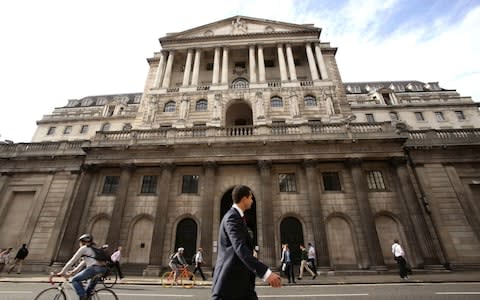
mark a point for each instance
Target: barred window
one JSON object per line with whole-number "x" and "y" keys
{"x": 331, "y": 181}
{"x": 84, "y": 129}
{"x": 169, "y": 107}
{"x": 287, "y": 182}
{"x": 375, "y": 180}
{"x": 370, "y": 118}
{"x": 149, "y": 184}
{"x": 67, "y": 130}
{"x": 201, "y": 105}
{"x": 106, "y": 127}
{"x": 460, "y": 115}
{"x": 419, "y": 116}
{"x": 439, "y": 115}
{"x": 51, "y": 131}
{"x": 190, "y": 184}
{"x": 110, "y": 185}
{"x": 310, "y": 100}
{"x": 394, "y": 116}
{"x": 276, "y": 101}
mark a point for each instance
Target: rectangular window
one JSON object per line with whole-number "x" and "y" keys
{"x": 190, "y": 184}
{"x": 240, "y": 64}
{"x": 460, "y": 115}
{"x": 370, "y": 118}
{"x": 67, "y": 130}
{"x": 84, "y": 129}
{"x": 419, "y": 116}
{"x": 287, "y": 183}
{"x": 110, "y": 185}
{"x": 149, "y": 184}
{"x": 51, "y": 131}
{"x": 394, "y": 116}
{"x": 439, "y": 116}
{"x": 209, "y": 66}
{"x": 331, "y": 181}
{"x": 269, "y": 63}
{"x": 375, "y": 181}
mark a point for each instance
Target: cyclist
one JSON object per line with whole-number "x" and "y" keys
{"x": 177, "y": 261}
{"x": 93, "y": 267}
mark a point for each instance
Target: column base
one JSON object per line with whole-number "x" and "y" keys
{"x": 152, "y": 270}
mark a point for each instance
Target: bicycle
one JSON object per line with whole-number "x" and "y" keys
{"x": 61, "y": 291}
{"x": 187, "y": 279}
{"x": 109, "y": 279}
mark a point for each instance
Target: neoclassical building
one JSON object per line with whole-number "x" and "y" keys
{"x": 347, "y": 166}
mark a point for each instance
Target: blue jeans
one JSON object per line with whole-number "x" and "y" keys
{"x": 86, "y": 274}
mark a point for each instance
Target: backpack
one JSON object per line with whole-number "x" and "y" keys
{"x": 101, "y": 254}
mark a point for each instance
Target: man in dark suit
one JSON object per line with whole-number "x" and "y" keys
{"x": 237, "y": 267}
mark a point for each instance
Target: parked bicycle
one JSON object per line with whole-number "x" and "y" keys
{"x": 65, "y": 291}
{"x": 187, "y": 279}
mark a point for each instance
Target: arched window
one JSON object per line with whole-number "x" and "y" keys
{"x": 276, "y": 101}
{"x": 309, "y": 100}
{"x": 169, "y": 106}
{"x": 240, "y": 83}
{"x": 201, "y": 105}
{"x": 106, "y": 127}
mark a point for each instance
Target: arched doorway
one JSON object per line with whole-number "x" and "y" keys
{"x": 186, "y": 237}
{"x": 239, "y": 114}
{"x": 291, "y": 233}
{"x": 140, "y": 241}
{"x": 250, "y": 214}
{"x": 341, "y": 244}
{"x": 99, "y": 230}
{"x": 388, "y": 229}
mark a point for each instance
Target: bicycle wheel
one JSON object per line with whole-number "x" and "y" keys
{"x": 104, "y": 294}
{"x": 167, "y": 279}
{"x": 51, "y": 294}
{"x": 188, "y": 280}
{"x": 110, "y": 280}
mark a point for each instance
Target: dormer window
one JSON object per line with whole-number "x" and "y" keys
{"x": 386, "y": 98}
{"x": 110, "y": 110}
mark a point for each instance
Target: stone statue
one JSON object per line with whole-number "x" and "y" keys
{"x": 259, "y": 105}
{"x": 329, "y": 106}
{"x": 151, "y": 110}
{"x": 293, "y": 99}
{"x": 217, "y": 106}
{"x": 184, "y": 107}
{"x": 239, "y": 26}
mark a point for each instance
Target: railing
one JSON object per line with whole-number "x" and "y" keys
{"x": 306, "y": 83}
{"x": 42, "y": 149}
{"x": 444, "y": 137}
{"x": 274, "y": 83}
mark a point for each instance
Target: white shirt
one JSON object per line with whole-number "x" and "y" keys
{"x": 311, "y": 252}
{"x": 397, "y": 250}
{"x": 116, "y": 256}
{"x": 87, "y": 254}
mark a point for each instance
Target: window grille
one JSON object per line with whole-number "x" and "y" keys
{"x": 287, "y": 183}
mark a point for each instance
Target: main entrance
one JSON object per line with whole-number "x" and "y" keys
{"x": 250, "y": 214}
{"x": 291, "y": 233}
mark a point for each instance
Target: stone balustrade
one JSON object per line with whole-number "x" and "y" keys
{"x": 443, "y": 137}
{"x": 42, "y": 149}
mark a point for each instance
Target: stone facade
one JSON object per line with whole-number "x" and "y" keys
{"x": 346, "y": 166}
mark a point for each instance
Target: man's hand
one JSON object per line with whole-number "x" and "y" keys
{"x": 274, "y": 280}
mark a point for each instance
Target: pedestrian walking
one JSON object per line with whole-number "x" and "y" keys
{"x": 4, "y": 258}
{"x": 116, "y": 256}
{"x": 399, "y": 256}
{"x": 312, "y": 256}
{"x": 304, "y": 263}
{"x": 22, "y": 253}
{"x": 287, "y": 260}
{"x": 198, "y": 262}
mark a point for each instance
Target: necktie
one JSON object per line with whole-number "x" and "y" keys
{"x": 244, "y": 220}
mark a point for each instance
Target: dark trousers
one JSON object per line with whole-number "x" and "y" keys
{"x": 116, "y": 265}
{"x": 198, "y": 267}
{"x": 312, "y": 263}
{"x": 243, "y": 297}
{"x": 289, "y": 272}
{"x": 402, "y": 265}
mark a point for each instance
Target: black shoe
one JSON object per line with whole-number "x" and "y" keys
{"x": 299, "y": 278}
{"x": 314, "y": 276}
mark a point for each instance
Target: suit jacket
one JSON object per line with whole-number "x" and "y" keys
{"x": 236, "y": 267}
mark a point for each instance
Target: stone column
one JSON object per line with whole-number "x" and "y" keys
{"x": 267, "y": 250}
{"x": 207, "y": 212}
{"x": 318, "y": 220}
{"x": 261, "y": 64}
{"x": 423, "y": 237}
{"x": 196, "y": 67}
{"x": 253, "y": 67}
{"x": 281, "y": 63}
{"x": 321, "y": 62}
{"x": 168, "y": 70}
{"x": 158, "y": 236}
{"x": 225, "y": 66}
{"x": 291, "y": 63}
{"x": 188, "y": 67}
{"x": 216, "y": 66}
{"x": 113, "y": 235}
{"x": 159, "y": 75}
{"x": 69, "y": 239}
{"x": 374, "y": 251}
{"x": 311, "y": 62}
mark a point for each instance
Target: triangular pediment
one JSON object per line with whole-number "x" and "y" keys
{"x": 240, "y": 25}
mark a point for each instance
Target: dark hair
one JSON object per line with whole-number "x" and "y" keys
{"x": 239, "y": 192}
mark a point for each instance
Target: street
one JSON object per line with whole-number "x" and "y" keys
{"x": 407, "y": 290}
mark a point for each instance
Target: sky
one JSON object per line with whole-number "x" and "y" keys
{"x": 55, "y": 50}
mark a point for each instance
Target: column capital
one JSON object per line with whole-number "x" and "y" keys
{"x": 210, "y": 164}
{"x": 128, "y": 167}
{"x": 354, "y": 162}
{"x": 167, "y": 166}
{"x": 264, "y": 164}
{"x": 310, "y": 163}
{"x": 398, "y": 161}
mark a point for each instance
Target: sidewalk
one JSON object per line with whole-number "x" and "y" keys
{"x": 328, "y": 278}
